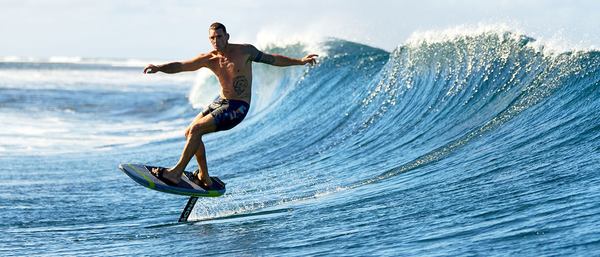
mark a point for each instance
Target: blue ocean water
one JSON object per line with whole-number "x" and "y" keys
{"x": 480, "y": 143}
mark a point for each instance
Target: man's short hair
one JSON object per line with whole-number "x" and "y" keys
{"x": 217, "y": 26}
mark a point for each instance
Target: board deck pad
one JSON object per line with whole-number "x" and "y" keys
{"x": 141, "y": 174}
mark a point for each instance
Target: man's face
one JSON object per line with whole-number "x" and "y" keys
{"x": 218, "y": 39}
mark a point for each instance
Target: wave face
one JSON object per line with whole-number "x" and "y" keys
{"x": 473, "y": 144}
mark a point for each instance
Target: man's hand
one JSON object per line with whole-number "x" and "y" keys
{"x": 151, "y": 68}
{"x": 311, "y": 59}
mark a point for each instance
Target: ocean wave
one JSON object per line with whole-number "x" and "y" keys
{"x": 427, "y": 102}
{"x": 415, "y": 105}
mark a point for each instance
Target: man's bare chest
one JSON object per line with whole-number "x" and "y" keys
{"x": 231, "y": 65}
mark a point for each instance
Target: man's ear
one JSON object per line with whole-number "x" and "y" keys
{"x": 227, "y": 37}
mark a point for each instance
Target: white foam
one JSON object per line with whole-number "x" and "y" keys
{"x": 281, "y": 37}
{"x": 204, "y": 90}
{"x": 449, "y": 34}
{"x": 27, "y": 134}
{"x": 557, "y": 43}
{"x": 65, "y": 59}
{"x": 80, "y": 60}
{"x": 67, "y": 79}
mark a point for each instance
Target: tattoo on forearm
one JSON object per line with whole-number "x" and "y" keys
{"x": 173, "y": 67}
{"x": 240, "y": 85}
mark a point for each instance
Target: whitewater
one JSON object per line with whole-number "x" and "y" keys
{"x": 478, "y": 143}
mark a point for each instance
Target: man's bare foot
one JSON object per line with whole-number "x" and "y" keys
{"x": 169, "y": 176}
{"x": 198, "y": 180}
{"x": 206, "y": 184}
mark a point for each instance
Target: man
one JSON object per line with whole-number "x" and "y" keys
{"x": 232, "y": 64}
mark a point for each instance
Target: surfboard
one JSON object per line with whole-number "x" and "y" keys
{"x": 141, "y": 174}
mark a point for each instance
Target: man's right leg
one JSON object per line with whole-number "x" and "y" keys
{"x": 198, "y": 128}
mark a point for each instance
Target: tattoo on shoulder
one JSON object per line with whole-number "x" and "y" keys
{"x": 240, "y": 85}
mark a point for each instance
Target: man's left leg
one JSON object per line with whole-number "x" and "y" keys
{"x": 201, "y": 127}
{"x": 203, "y": 176}
{"x": 200, "y": 154}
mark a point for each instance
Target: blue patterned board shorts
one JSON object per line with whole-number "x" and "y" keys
{"x": 227, "y": 113}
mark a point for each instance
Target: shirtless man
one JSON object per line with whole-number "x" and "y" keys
{"x": 232, "y": 64}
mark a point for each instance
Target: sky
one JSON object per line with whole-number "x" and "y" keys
{"x": 179, "y": 28}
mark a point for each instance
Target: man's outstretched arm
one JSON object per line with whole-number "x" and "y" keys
{"x": 280, "y": 60}
{"x": 175, "y": 67}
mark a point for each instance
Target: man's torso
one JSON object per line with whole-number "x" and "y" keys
{"x": 234, "y": 72}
